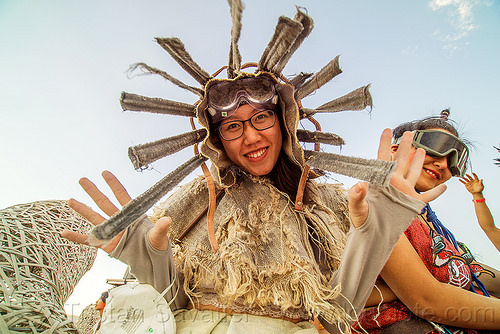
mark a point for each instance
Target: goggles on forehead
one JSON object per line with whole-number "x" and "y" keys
{"x": 439, "y": 144}
{"x": 225, "y": 97}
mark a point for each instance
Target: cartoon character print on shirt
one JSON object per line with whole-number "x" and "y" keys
{"x": 458, "y": 270}
{"x": 475, "y": 267}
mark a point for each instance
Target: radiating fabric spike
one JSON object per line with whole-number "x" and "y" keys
{"x": 358, "y": 99}
{"x": 378, "y": 172}
{"x": 319, "y": 137}
{"x": 285, "y": 34}
{"x": 177, "y": 51}
{"x": 144, "y": 154}
{"x": 234, "y": 66}
{"x": 299, "y": 80}
{"x": 134, "y": 102}
{"x": 138, "y": 206}
{"x": 151, "y": 70}
{"x": 327, "y": 73}
{"x": 307, "y": 24}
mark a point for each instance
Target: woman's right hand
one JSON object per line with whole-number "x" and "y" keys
{"x": 409, "y": 166}
{"x": 157, "y": 235}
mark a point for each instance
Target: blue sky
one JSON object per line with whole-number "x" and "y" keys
{"x": 63, "y": 67}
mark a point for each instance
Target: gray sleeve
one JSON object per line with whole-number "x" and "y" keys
{"x": 148, "y": 264}
{"x": 368, "y": 247}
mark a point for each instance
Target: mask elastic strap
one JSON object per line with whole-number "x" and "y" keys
{"x": 212, "y": 200}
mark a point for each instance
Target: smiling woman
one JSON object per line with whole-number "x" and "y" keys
{"x": 255, "y": 146}
{"x": 441, "y": 270}
{"x": 257, "y": 238}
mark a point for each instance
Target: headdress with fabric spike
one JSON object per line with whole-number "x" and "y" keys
{"x": 288, "y": 35}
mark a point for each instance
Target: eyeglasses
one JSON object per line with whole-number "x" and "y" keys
{"x": 261, "y": 120}
{"x": 439, "y": 144}
{"x": 225, "y": 97}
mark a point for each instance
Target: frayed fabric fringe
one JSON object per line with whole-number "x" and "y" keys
{"x": 265, "y": 256}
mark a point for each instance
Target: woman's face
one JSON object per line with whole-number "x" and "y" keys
{"x": 255, "y": 151}
{"x": 434, "y": 172}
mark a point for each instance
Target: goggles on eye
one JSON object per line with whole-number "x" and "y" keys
{"x": 226, "y": 96}
{"x": 439, "y": 144}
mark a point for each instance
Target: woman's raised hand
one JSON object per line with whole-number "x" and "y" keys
{"x": 103, "y": 203}
{"x": 408, "y": 169}
{"x": 473, "y": 184}
{"x": 157, "y": 235}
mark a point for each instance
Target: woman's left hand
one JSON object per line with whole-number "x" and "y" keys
{"x": 409, "y": 166}
{"x": 473, "y": 184}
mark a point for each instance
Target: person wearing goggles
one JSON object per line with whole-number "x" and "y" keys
{"x": 248, "y": 124}
{"x": 225, "y": 97}
{"x": 260, "y": 246}
{"x": 252, "y": 130}
{"x": 441, "y": 143}
{"x": 243, "y": 113}
{"x": 442, "y": 276}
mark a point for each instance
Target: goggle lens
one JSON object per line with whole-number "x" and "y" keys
{"x": 225, "y": 96}
{"x": 440, "y": 144}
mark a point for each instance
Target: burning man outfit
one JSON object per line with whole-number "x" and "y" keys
{"x": 268, "y": 263}
{"x": 443, "y": 261}
{"x": 272, "y": 258}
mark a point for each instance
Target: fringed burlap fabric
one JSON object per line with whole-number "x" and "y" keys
{"x": 271, "y": 261}
{"x": 287, "y": 38}
{"x": 39, "y": 269}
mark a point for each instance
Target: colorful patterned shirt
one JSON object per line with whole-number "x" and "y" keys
{"x": 442, "y": 260}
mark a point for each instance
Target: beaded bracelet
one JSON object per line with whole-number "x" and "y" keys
{"x": 481, "y": 200}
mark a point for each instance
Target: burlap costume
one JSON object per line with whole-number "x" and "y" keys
{"x": 272, "y": 261}
{"x": 268, "y": 262}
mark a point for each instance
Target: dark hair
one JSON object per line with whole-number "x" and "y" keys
{"x": 436, "y": 122}
{"x": 286, "y": 174}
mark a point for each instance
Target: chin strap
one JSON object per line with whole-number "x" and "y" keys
{"x": 299, "y": 200}
{"x": 212, "y": 199}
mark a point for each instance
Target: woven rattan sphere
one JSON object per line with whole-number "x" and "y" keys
{"x": 39, "y": 269}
